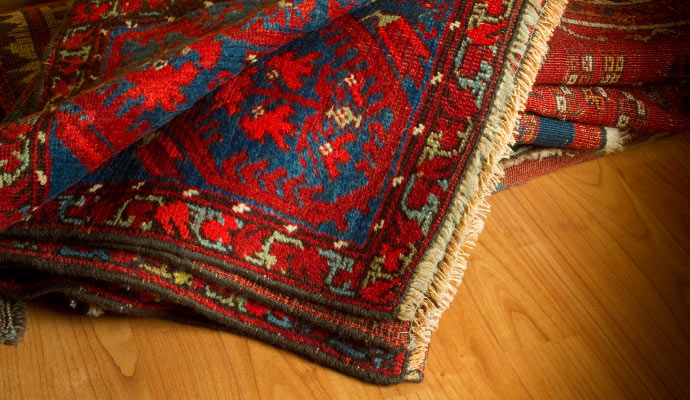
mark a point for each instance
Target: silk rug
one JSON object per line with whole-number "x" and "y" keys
{"x": 310, "y": 173}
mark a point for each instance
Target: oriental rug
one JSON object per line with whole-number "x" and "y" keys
{"x": 310, "y": 173}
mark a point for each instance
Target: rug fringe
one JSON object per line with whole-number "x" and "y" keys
{"x": 498, "y": 137}
{"x": 537, "y": 155}
{"x": 615, "y": 140}
{"x": 12, "y": 320}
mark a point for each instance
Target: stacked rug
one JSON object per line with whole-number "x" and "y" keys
{"x": 615, "y": 75}
{"x": 310, "y": 173}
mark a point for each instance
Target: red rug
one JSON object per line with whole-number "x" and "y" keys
{"x": 616, "y": 75}
{"x": 308, "y": 173}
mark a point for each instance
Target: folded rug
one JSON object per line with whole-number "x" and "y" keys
{"x": 616, "y": 75}
{"x": 311, "y": 173}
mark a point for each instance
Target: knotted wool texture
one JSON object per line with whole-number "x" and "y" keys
{"x": 310, "y": 173}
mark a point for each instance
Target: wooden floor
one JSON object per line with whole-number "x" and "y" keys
{"x": 579, "y": 287}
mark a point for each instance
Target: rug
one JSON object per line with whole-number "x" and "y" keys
{"x": 616, "y": 75}
{"x": 25, "y": 35}
{"x": 309, "y": 173}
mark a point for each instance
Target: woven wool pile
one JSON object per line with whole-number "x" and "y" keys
{"x": 308, "y": 173}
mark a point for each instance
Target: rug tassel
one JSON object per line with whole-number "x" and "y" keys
{"x": 12, "y": 320}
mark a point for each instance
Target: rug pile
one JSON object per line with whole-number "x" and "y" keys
{"x": 311, "y": 173}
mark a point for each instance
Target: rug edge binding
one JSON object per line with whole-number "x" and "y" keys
{"x": 468, "y": 214}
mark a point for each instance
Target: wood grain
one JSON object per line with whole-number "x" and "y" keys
{"x": 578, "y": 288}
